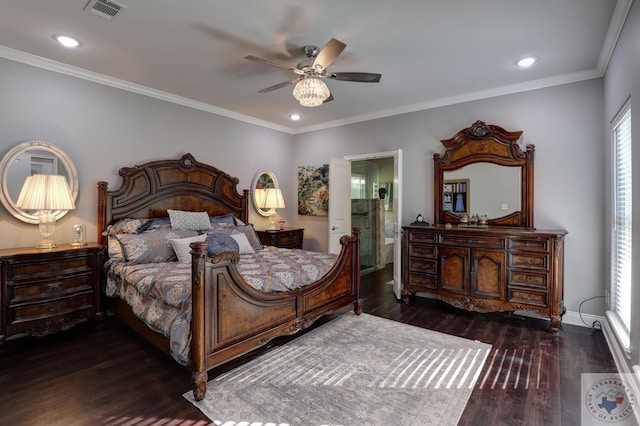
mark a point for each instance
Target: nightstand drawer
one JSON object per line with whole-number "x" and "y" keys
{"x": 46, "y": 289}
{"x": 24, "y": 317}
{"x": 283, "y": 238}
{"x": 29, "y": 268}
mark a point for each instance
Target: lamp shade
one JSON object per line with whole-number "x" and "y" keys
{"x": 45, "y": 192}
{"x": 273, "y": 199}
{"x": 311, "y": 91}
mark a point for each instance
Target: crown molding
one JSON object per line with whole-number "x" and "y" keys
{"x": 59, "y": 67}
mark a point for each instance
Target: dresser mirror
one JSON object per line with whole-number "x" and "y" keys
{"x": 483, "y": 171}
{"x": 30, "y": 158}
{"x": 262, "y": 180}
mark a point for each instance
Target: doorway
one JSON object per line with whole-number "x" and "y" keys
{"x": 390, "y": 208}
{"x": 372, "y": 211}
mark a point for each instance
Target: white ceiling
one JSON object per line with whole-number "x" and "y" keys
{"x": 430, "y": 53}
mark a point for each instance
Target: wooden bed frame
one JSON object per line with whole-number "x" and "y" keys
{"x": 229, "y": 317}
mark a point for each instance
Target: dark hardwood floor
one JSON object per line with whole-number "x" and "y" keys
{"x": 112, "y": 377}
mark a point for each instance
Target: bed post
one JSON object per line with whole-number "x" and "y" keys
{"x": 198, "y": 357}
{"x": 355, "y": 271}
{"x": 102, "y": 211}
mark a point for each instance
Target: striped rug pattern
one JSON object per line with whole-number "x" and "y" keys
{"x": 353, "y": 370}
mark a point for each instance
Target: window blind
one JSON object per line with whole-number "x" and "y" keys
{"x": 622, "y": 224}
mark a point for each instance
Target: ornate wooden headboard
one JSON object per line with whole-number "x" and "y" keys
{"x": 149, "y": 189}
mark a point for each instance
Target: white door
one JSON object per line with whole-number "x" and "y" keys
{"x": 339, "y": 202}
{"x": 397, "y": 225}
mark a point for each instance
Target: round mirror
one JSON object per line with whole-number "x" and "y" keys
{"x": 30, "y": 158}
{"x": 263, "y": 179}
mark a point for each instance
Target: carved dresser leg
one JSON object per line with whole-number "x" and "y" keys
{"x": 2, "y": 338}
{"x": 199, "y": 383}
{"x": 99, "y": 321}
{"x": 556, "y": 321}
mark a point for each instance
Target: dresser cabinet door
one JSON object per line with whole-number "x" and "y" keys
{"x": 454, "y": 267}
{"x": 487, "y": 274}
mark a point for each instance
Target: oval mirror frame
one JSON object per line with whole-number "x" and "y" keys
{"x": 12, "y": 156}
{"x": 262, "y": 179}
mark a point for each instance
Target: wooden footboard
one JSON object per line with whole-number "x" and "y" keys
{"x": 231, "y": 318}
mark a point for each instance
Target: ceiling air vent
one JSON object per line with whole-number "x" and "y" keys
{"x": 104, "y": 8}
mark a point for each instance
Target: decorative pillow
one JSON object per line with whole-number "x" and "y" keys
{"x": 151, "y": 246}
{"x": 219, "y": 242}
{"x": 243, "y": 243}
{"x": 253, "y": 238}
{"x": 247, "y": 230}
{"x": 227, "y": 218}
{"x": 114, "y": 249}
{"x": 182, "y": 249}
{"x": 197, "y": 221}
{"x": 163, "y": 222}
{"x": 128, "y": 226}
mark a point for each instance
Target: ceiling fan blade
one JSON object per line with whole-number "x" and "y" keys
{"x": 270, "y": 63}
{"x": 279, "y": 86}
{"x": 329, "y": 53}
{"x": 362, "y": 77}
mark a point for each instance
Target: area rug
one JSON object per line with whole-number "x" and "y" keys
{"x": 353, "y": 370}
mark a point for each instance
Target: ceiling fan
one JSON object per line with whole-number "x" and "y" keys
{"x": 309, "y": 89}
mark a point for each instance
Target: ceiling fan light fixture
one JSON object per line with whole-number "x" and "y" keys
{"x": 311, "y": 91}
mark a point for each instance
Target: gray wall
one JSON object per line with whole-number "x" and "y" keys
{"x": 102, "y": 129}
{"x": 564, "y": 123}
{"x": 621, "y": 82}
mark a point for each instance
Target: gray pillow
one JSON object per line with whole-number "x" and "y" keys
{"x": 218, "y": 242}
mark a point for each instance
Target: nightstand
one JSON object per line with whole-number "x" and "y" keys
{"x": 285, "y": 238}
{"x": 46, "y": 291}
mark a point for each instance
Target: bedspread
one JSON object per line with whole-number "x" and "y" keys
{"x": 160, "y": 293}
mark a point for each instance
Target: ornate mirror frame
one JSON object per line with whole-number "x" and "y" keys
{"x": 12, "y": 156}
{"x": 262, "y": 179}
{"x": 486, "y": 143}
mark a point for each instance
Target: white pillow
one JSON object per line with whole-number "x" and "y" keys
{"x": 182, "y": 249}
{"x": 196, "y": 221}
{"x": 243, "y": 243}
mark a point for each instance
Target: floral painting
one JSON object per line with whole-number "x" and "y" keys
{"x": 313, "y": 190}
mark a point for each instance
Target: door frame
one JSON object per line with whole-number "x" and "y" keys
{"x": 397, "y": 209}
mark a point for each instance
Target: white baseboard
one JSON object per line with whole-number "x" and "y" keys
{"x": 572, "y": 318}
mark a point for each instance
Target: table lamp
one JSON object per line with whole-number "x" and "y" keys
{"x": 273, "y": 200}
{"x": 45, "y": 194}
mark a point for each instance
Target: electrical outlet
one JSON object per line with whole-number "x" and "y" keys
{"x": 504, "y": 206}
{"x": 606, "y": 297}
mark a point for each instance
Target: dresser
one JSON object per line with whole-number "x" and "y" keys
{"x": 486, "y": 269}
{"x": 285, "y": 238}
{"x": 46, "y": 291}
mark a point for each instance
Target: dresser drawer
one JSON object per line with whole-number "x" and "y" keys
{"x": 529, "y": 244}
{"x": 517, "y": 295}
{"x": 425, "y": 281}
{"x": 35, "y": 290}
{"x": 29, "y": 268}
{"x": 535, "y": 261}
{"x": 422, "y": 266}
{"x": 423, "y": 250}
{"x": 421, "y": 236}
{"x": 528, "y": 278}
{"x": 472, "y": 241}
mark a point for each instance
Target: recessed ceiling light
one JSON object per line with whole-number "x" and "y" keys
{"x": 295, "y": 117}
{"x": 526, "y": 62}
{"x": 67, "y": 41}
